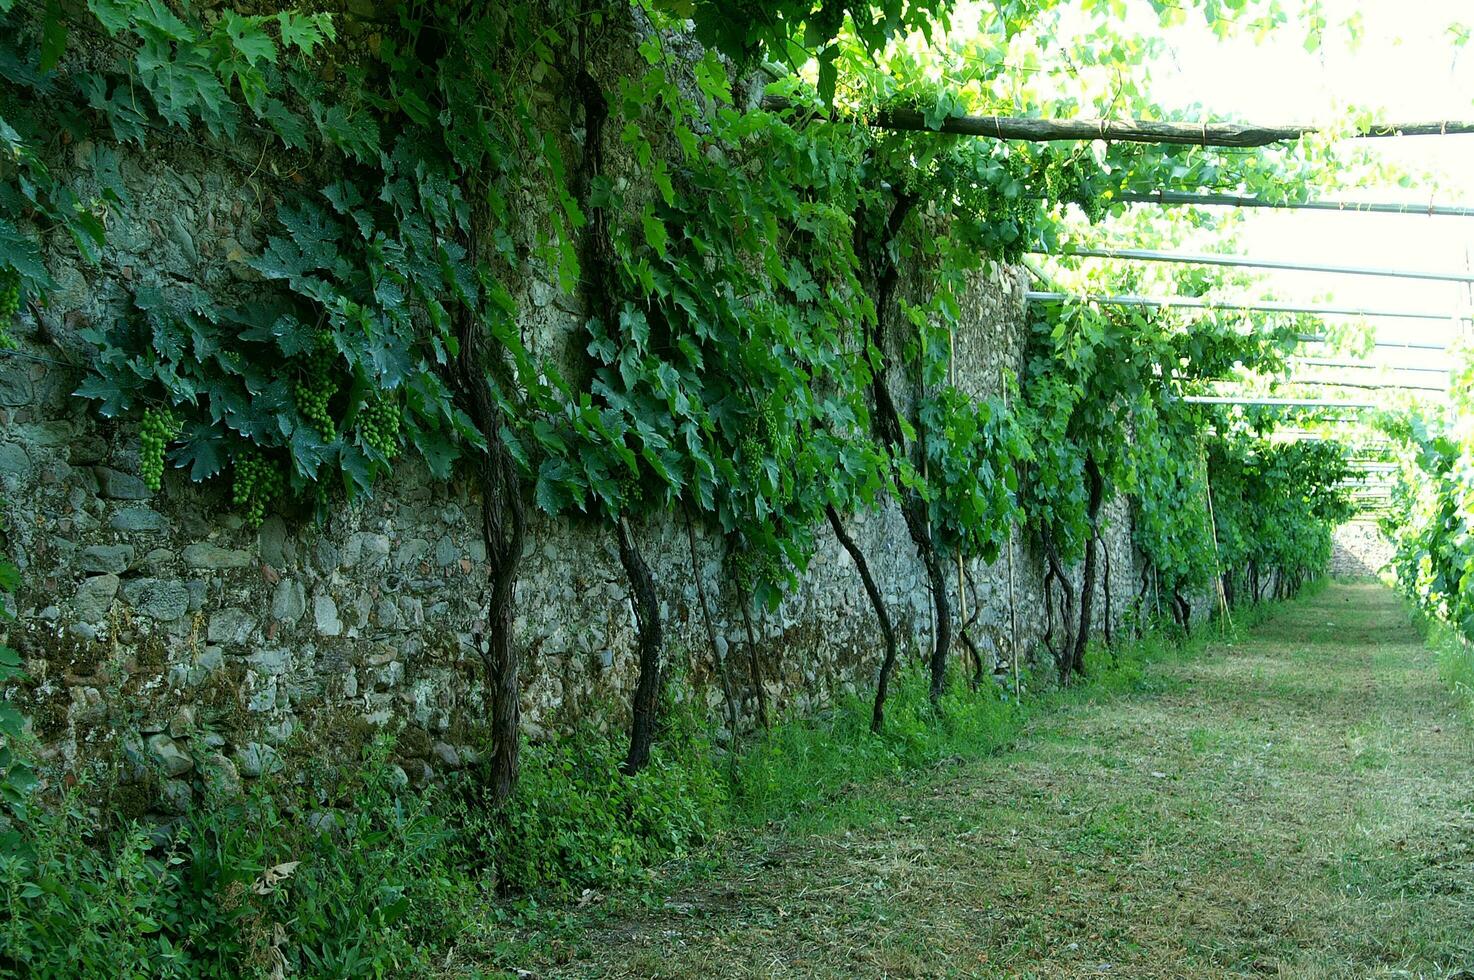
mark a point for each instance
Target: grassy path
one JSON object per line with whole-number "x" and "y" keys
{"x": 1300, "y": 804}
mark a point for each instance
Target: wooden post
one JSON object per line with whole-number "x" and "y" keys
{"x": 1115, "y": 130}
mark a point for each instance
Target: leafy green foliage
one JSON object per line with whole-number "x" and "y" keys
{"x": 17, "y": 773}
{"x": 735, "y": 289}
{"x": 1171, "y": 525}
{"x": 1432, "y": 517}
{"x": 1276, "y": 503}
{"x": 971, "y": 480}
{"x": 721, "y": 378}
{"x": 245, "y": 887}
{"x": 1098, "y": 376}
{"x": 794, "y": 31}
{"x": 578, "y": 822}
{"x": 365, "y": 275}
{"x": 730, "y": 376}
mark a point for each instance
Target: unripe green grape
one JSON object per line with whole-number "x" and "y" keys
{"x": 630, "y": 490}
{"x": 9, "y": 304}
{"x": 314, "y": 391}
{"x": 752, "y": 459}
{"x": 378, "y": 424}
{"x": 9, "y": 294}
{"x": 257, "y": 482}
{"x": 160, "y": 427}
{"x": 742, "y": 567}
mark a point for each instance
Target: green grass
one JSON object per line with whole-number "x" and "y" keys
{"x": 804, "y": 773}
{"x": 411, "y": 880}
{"x": 1455, "y": 661}
{"x": 1291, "y": 801}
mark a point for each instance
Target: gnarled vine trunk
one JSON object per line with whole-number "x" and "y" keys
{"x": 723, "y": 671}
{"x": 914, "y": 512}
{"x": 595, "y": 258}
{"x": 1139, "y": 603}
{"x": 889, "y": 432}
{"x": 964, "y": 631}
{"x": 887, "y": 631}
{"x": 1096, "y": 488}
{"x": 1182, "y": 611}
{"x": 471, "y": 374}
{"x": 755, "y": 666}
{"x": 646, "y": 704}
{"x": 503, "y": 527}
{"x": 1055, "y": 572}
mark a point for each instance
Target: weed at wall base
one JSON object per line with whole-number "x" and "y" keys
{"x": 260, "y": 885}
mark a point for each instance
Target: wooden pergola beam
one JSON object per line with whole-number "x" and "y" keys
{"x": 1196, "y": 199}
{"x": 1127, "y": 130}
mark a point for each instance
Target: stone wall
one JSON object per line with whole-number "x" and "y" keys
{"x": 1359, "y": 549}
{"x": 163, "y": 635}
{"x": 158, "y": 619}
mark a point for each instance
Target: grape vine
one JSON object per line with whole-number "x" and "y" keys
{"x": 771, "y": 295}
{"x": 1431, "y": 523}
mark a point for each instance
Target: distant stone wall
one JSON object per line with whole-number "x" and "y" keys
{"x": 1359, "y": 549}
{"x": 166, "y": 639}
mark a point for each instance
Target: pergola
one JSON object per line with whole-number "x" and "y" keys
{"x": 1371, "y": 486}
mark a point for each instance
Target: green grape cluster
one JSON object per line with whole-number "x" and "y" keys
{"x": 9, "y": 304}
{"x": 767, "y": 421}
{"x": 160, "y": 427}
{"x": 1068, "y": 181}
{"x": 773, "y": 432}
{"x": 751, "y": 449}
{"x": 631, "y": 490}
{"x": 318, "y": 386}
{"x": 767, "y": 438}
{"x": 378, "y": 423}
{"x": 748, "y": 568}
{"x": 742, "y": 567}
{"x": 258, "y": 481}
{"x": 9, "y": 294}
